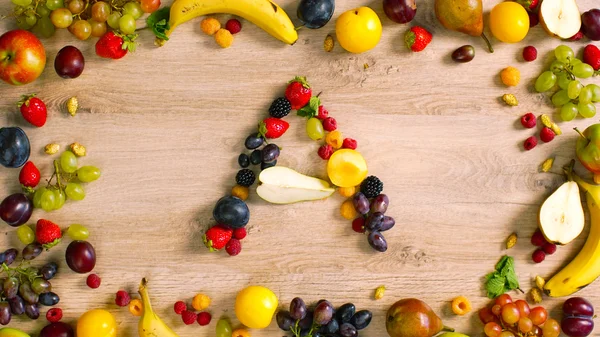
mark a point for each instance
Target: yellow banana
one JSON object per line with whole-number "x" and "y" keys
{"x": 263, "y": 13}
{"x": 585, "y": 267}
{"x": 150, "y": 324}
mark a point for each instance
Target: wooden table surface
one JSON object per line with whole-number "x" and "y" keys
{"x": 166, "y": 126}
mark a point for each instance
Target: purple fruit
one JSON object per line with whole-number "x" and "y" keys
{"x": 377, "y": 241}
{"x": 380, "y": 203}
{"x": 374, "y": 221}
{"x": 58, "y": 329}
{"x": 590, "y": 24}
{"x": 16, "y": 209}
{"x": 578, "y": 306}
{"x": 323, "y": 313}
{"x": 69, "y": 62}
{"x": 400, "y": 11}
{"x": 297, "y": 309}
{"x": 577, "y": 327}
{"x": 361, "y": 203}
{"x": 387, "y": 223}
{"x": 81, "y": 257}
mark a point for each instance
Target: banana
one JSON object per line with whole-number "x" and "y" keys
{"x": 585, "y": 267}
{"x": 263, "y": 13}
{"x": 150, "y": 324}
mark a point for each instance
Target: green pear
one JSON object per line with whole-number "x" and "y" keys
{"x": 10, "y": 332}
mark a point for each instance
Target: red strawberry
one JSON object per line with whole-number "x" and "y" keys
{"x": 273, "y": 127}
{"x": 47, "y": 233}
{"x": 114, "y": 45}
{"x": 33, "y": 110}
{"x": 529, "y": 4}
{"x": 29, "y": 175}
{"x": 217, "y": 237}
{"x": 417, "y": 38}
{"x": 591, "y": 56}
{"x": 298, "y": 92}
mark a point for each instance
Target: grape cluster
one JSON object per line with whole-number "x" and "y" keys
{"x": 25, "y": 288}
{"x": 573, "y": 97}
{"x": 508, "y": 318}
{"x": 322, "y": 320}
{"x": 83, "y": 18}
{"x": 372, "y": 218}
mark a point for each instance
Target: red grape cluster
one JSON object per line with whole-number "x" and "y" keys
{"x": 505, "y": 318}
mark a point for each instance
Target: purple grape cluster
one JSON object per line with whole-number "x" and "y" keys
{"x": 373, "y": 219}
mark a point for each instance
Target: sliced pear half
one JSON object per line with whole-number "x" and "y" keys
{"x": 560, "y": 18}
{"x": 282, "y": 185}
{"x": 561, "y": 215}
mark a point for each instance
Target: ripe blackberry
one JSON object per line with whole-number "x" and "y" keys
{"x": 371, "y": 187}
{"x": 280, "y": 108}
{"x": 245, "y": 177}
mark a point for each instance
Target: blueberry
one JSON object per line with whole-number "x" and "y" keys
{"x": 14, "y": 147}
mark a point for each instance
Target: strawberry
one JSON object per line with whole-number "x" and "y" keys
{"x": 217, "y": 237}
{"x": 298, "y": 92}
{"x": 29, "y": 176}
{"x": 115, "y": 45}
{"x": 529, "y": 4}
{"x": 33, "y": 110}
{"x": 47, "y": 233}
{"x": 273, "y": 127}
{"x": 417, "y": 38}
{"x": 591, "y": 56}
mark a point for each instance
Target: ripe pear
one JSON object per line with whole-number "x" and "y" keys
{"x": 411, "y": 317}
{"x": 465, "y": 16}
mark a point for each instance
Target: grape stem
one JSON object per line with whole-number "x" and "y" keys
{"x": 57, "y": 174}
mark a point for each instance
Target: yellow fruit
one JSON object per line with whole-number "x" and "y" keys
{"x": 210, "y": 26}
{"x": 200, "y": 302}
{"x": 78, "y": 149}
{"x": 136, "y": 307}
{"x": 97, "y": 323}
{"x": 347, "y": 210}
{"x": 240, "y": 192}
{"x": 347, "y": 191}
{"x": 51, "y": 148}
{"x": 255, "y": 306}
{"x": 358, "y": 30}
{"x": 379, "y": 292}
{"x": 461, "y": 305}
{"x": 72, "y": 105}
{"x": 509, "y": 22}
{"x": 510, "y": 76}
{"x": 346, "y": 168}
{"x": 334, "y": 138}
{"x": 224, "y": 38}
{"x": 241, "y": 332}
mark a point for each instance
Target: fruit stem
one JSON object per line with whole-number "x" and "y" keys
{"x": 57, "y": 174}
{"x": 143, "y": 291}
{"x": 487, "y": 42}
{"x": 580, "y": 133}
{"x": 448, "y": 329}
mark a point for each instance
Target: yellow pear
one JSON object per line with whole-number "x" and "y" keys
{"x": 465, "y": 16}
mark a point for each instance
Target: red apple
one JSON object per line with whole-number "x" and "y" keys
{"x": 22, "y": 57}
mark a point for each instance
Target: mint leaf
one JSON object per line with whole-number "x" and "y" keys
{"x": 495, "y": 286}
{"x": 502, "y": 263}
{"x": 159, "y": 22}
{"x": 311, "y": 109}
{"x": 504, "y": 275}
{"x": 512, "y": 282}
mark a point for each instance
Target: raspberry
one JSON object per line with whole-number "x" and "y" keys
{"x": 529, "y": 53}
{"x": 538, "y": 239}
{"x": 533, "y": 19}
{"x": 528, "y": 120}
{"x": 233, "y": 247}
{"x": 547, "y": 135}
{"x": 240, "y": 233}
{"x": 530, "y": 143}
{"x": 179, "y": 307}
{"x": 329, "y": 124}
{"x": 577, "y": 36}
{"x": 204, "y": 318}
{"x": 325, "y": 151}
{"x": 54, "y": 315}
{"x": 188, "y": 317}
{"x": 210, "y": 26}
{"x": 223, "y": 38}
{"x": 234, "y": 26}
{"x": 349, "y": 143}
{"x": 549, "y": 248}
{"x": 323, "y": 113}
{"x": 538, "y": 256}
{"x": 358, "y": 225}
{"x": 93, "y": 281}
{"x": 122, "y": 298}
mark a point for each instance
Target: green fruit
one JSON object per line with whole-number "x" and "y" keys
{"x": 78, "y": 232}
{"x": 314, "y": 129}
{"x": 68, "y": 162}
{"x": 11, "y": 332}
{"x": 25, "y": 234}
{"x": 87, "y": 174}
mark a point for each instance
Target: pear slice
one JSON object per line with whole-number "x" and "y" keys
{"x": 561, "y": 215}
{"x": 560, "y": 18}
{"x": 282, "y": 185}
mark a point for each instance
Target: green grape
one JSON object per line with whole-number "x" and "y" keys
{"x": 595, "y": 92}
{"x": 78, "y": 232}
{"x": 81, "y": 29}
{"x": 74, "y": 191}
{"x": 568, "y": 112}
{"x": 100, "y": 11}
{"x": 68, "y": 162}
{"x": 585, "y": 96}
{"x": 583, "y": 70}
{"x": 44, "y": 27}
{"x": 19, "y": 10}
{"x": 560, "y": 98}
{"x": 127, "y": 24}
{"x": 574, "y": 89}
{"x": 223, "y": 328}
{"x": 575, "y": 62}
{"x": 113, "y": 20}
{"x": 564, "y": 53}
{"x": 25, "y": 234}
{"x": 42, "y": 10}
{"x": 37, "y": 197}
{"x": 587, "y": 110}
{"x": 48, "y": 200}
{"x": 134, "y": 9}
{"x": 87, "y": 174}
{"x": 54, "y": 4}
{"x": 545, "y": 81}
{"x": 314, "y": 129}
{"x": 98, "y": 28}
{"x": 22, "y": 22}
{"x": 59, "y": 199}
{"x": 563, "y": 81}
{"x": 22, "y": 2}
{"x": 61, "y": 18}
{"x": 31, "y": 20}
{"x": 557, "y": 67}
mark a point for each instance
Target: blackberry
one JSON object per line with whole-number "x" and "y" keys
{"x": 280, "y": 108}
{"x": 371, "y": 187}
{"x": 245, "y": 177}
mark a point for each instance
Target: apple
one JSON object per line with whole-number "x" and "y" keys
{"x": 282, "y": 185}
{"x": 22, "y": 57}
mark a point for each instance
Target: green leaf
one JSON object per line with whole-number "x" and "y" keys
{"x": 495, "y": 286}
{"x": 159, "y": 22}
{"x": 502, "y": 263}
{"x": 311, "y": 109}
{"x": 512, "y": 281}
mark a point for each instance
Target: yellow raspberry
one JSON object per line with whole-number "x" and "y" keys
{"x": 240, "y": 192}
{"x": 78, "y": 149}
{"x": 72, "y": 105}
{"x": 51, "y": 148}
{"x": 347, "y": 191}
{"x": 136, "y": 307}
{"x": 241, "y": 332}
{"x": 334, "y": 138}
{"x": 510, "y": 99}
{"x": 200, "y": 302}
{"x": 379, "y": 292}
{"x": 329, "y": 43}
{"x": 510, "y": 76}
{"x": 347, "y": 210}
{"x": 224, "y": 38}
{"x": 210, "y": 26}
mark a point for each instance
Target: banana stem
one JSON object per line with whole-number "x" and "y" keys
{"x": 489, "y": 45}
{"x": 143, "y": 291}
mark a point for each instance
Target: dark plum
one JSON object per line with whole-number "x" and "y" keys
{"x": 374, "y": 221}
{"x": 377, "y": 241}
{"x": 49, "y": 299}
{"x": 577, "y": 326}
{"x": 253, "y": 141}
{"x": 270, "y": 153}
{"x": 14, "y": 147}
{"x": 464, "y": 54}
{"x": 16, "y": 209}
{"x": 590, "y": 24}
{"x": 57, "y": 329}
{"x": 361, "y": 319}
{"x": 231, "y": 211}
{"x": 578, "y": 306}
{"x": 400, "y": 11}
{"x": 323, "y": 313}
{"x": 80, "y": 256}
{"x": 345, "y": 313}
{"x": 284, "y": 320}
{"x": 69, "y": 62}
{"x": 297, "y": 309}
{"x": 315, "y": 14}
{"x": 387, "y": 223}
